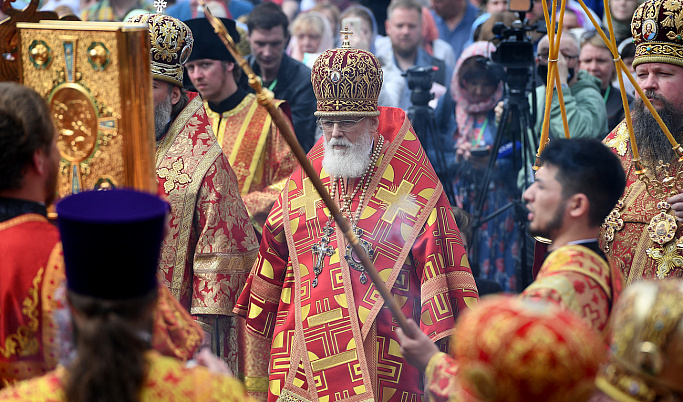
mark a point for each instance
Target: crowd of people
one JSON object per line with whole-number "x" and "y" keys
{"x": 235, "y": 282}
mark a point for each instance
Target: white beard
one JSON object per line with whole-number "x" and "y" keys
{"x": 350, "y": 162}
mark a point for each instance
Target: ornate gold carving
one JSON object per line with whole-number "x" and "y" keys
{"x": 39, "y": 54}
{"x": 174, "y": 175}
{"x": 74, "y": 114}
{"x": 612, "y": 224}
{"x": 98, "y": 56}
{"x": 24, "y": 342}
{"x": 98, "y": 74}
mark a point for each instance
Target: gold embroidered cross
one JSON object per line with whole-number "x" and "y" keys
{"x": 306, "y": 199}
{"x": 174, "y": 175}
{"x": 666, "y": 258}
{"x": 400, "y": 200}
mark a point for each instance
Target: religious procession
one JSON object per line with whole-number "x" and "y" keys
{"x": 334, "y": 200}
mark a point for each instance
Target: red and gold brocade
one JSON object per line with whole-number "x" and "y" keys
{"x": 210, "y": 245}
{"x": 336, "y": 341}
{"x": 259, "y": 155}
{"x": 573, "y": 277}
{"x": 578, "y": 279}
{"x": 626, "y": 239}
{"x": 167, "y": 380}
{"x": 512, "y": 349}
{"x": 32, "y": 271}
{"x": 32, "y": 268}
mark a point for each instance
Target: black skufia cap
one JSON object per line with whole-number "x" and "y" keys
{"x": 207, "y": 44}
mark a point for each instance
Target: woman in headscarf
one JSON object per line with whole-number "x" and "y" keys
{"x": 476, "y": 88}
{"x": 311, "y": 35}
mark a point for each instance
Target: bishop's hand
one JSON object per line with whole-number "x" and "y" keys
{"x": 416, "y": 347}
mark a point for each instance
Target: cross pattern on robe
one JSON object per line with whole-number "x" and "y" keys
{"x": 307, "y": 199}
{"x": 174, "y": 175}
{"x": 667, "y": 258}
{"x": 400, "y": 200}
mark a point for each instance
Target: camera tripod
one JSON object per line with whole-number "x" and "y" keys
{"x": 515, "y": 124}
{"x": 422, "y": 119}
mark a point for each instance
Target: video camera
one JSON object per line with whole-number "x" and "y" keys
{"x": 420, "y": 81}
{"x": 516, "y": 51}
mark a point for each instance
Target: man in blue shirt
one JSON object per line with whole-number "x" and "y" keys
{"x": 454, "y": 18}
{"x": 404, "y": 29}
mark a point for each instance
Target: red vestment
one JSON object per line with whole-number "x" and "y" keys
{"x": 572, "y": 276}
{"x": 259, "y": 155}
{"x": 336, "y": 340}
{"x": 579, "y": 279}
{"x": 210, "y": 245}
{"x": 625, "y": 236}
{"x": 32, "y": 271}
{"x": 167, "y": 380}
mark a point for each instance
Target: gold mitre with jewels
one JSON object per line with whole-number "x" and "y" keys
{"x": 647, "y": 345}
{"x": 346, "y": 81}
{"x": 171, "y": 42}
{"x": 657, "y": 31}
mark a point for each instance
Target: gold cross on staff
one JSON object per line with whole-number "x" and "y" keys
{"x": 345, "y": 42}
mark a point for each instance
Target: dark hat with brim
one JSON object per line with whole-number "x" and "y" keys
{"x": 207, "y": 43}
{"x": 111, "y": 242}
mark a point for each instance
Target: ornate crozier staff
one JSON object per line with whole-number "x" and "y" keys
{"x": 264, "y": 98}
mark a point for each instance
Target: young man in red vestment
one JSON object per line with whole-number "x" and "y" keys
{"x": 577, "y": 186}
{"x": 30, "y": 251}
{"x": 251, "y": 141}
{"x": 210, "y": 244}
{"x": 308, "y": 299}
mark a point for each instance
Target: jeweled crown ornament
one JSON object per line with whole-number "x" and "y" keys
{"x": 171, "y": 46}
{"x": 646, "y": 363}
{"x": 658, "y": 32}
{"x": 346, "y": 81}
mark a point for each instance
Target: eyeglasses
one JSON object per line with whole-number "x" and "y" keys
{"x": 545, "y": 56}
{"x": 344, "y": 125}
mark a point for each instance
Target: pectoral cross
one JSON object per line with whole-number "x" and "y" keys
{"x": 320, "y": 250}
